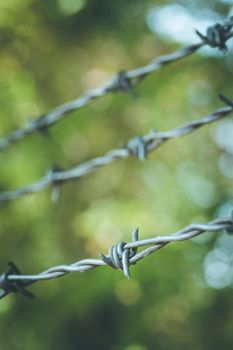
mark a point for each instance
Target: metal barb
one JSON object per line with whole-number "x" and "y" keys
{"x": 138, "y": 147}
{"x": 123, "y": 83}
{"x": 39, "y": 125}
{"x": 229, "y": 229}
{"x": 56, "y": 184}
{"x": 9, "y": 286}
{"x": 217, "y": 35}
{"x": 226, "y": 100}
{"x": 118, "y": 257}
{"x": 106, "y": 260}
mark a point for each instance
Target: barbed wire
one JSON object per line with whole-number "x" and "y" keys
{"x": 137, "y": 146}
{"x": 121, "y": 256}
{"x": 124, "y": 81}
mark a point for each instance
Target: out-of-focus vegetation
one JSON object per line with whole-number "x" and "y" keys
{"x": 50, "y": 52}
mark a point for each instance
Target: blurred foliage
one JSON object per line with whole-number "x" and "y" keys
{"x": 51, "y": 51}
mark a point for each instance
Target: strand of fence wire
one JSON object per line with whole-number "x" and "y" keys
{"x": 136, "y": 147}
{"x": 121, "y": 256}
{"x": 124, "y": 81}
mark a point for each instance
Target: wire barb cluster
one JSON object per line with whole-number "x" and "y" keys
{"x": 218, "y": 34}
{"x": 139, "y": 146}
{"x": 121, "y": 82}
{"x": 124, "y": 81}
{"x": 120, "y": 256}
{"x": 13, "y": 286}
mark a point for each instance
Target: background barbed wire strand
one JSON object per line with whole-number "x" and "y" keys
{"x": 216, "y": 36}
{"x": 137, "y": 146}
{"x": 119, "y": 82}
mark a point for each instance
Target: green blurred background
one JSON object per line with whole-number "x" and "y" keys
{"x": 50, "y": 52}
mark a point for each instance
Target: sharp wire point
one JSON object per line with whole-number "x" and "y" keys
{"x": 106, "y": 260}
{"x": 226, "y": 100}
{"x": 135, "y": 234}
{"x": 125, "y": 263}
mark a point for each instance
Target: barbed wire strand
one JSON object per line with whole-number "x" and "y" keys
{"x": 137, "y": 146}
{"x": 216, "y": 36}
{"x": 121, "y": 256}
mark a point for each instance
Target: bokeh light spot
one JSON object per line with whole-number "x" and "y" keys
{"x": 177, "y": 23}
{"x": 223, "y": 135}
{"x": 199, "y": 92}
{"x": 217, "y": 272}
{"x": 225, "y": 164}
{"x": 70, "y": 7}
{"x": 128, "y": 292}
{"x": 135, "y": 347}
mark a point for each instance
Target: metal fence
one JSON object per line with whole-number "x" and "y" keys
{"x": 122, "y": 255}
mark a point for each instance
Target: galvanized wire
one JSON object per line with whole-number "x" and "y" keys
{"x": 138, "y": 146}
{"x": 216, "y": 36}
{"x": 120, "y": 256}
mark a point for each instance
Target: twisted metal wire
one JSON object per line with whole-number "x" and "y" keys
{"x": 121, "y": 256}
{"x": 217, "y": 35}
{"x": 124, "y": 81}
{"x": 137, "y": 146}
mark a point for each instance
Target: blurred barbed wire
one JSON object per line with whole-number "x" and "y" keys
{"x": 124, "y": 81}
{"x": 120, "y": 256}
{"x": 137, "y": 146}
